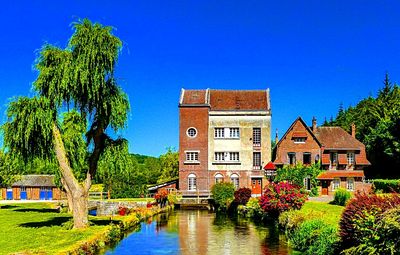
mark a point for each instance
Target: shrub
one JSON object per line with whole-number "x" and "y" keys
{"x": 174, "y": 197}
{"x": 223, "y": 195}
{"x": 242, "y": 196}
{"x": 252, "y": 209}
{"x": 161, "y": 197}
{"x": 386, "y": 186}
{"x": 361, "y": 216}
{"x": 382, "y": 235}
{"x": 341, "y": 197}
{"x": 281, "y": 197}
{"x": 290, "y": 220}
{"x": 314, "y": 237}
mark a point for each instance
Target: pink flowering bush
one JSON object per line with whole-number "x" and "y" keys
{"x": 280, "y": 197}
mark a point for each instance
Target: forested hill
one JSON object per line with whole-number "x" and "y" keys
{"x": 141, "y": 158}
{"x": 377, "y": 121}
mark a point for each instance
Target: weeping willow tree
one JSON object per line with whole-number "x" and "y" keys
{"x": 77, "y": 100}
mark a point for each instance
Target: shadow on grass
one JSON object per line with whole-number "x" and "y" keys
{"x": 41, "y": 210}
{"x": 103, "y": 222}
{"x": 56, "y": 221}
{"x": 8, "y": 206}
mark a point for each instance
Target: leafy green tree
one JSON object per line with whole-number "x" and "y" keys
{"x": 79, "y": 77}
{"x": 223, "y": 194}
{"x": 297, "y": 173}
{"x": 152, "y": 169}
{"x": 169, "y": 165}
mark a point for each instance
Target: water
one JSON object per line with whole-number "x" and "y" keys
{"x": 200, "y": 232}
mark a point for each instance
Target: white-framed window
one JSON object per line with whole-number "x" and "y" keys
{"x": 219, "y": 132}
{"x": 350, "y": 158}
{"x": 350, "y": 183}
{"x": 292, "y": 158}
{"x": 299, "y": 140}
{"x": 256, "y": 160}
{"x": 307, "y": 183}
{"x": 256, "y": 136}
{"x": 335, "y": 184}
{"x": 235, "y": 180}
{"x": 191, "y": 132}
{"x": 234, "y": 133}
{"x": 334, "y": 158}
{"x": 192, "y": 156}
{"x": 192, "y": 182}
{"x": 231, "y": 156}
{"x": 219, "y": 178}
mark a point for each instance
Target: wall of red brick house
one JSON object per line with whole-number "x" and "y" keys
{"x": 244, "y": 177}
{"x": 196, "y": 117}
{"x": 288, "y": 145}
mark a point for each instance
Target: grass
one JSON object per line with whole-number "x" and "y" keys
{"x": 37, "y": 229}
{"x": 329, "y": 213}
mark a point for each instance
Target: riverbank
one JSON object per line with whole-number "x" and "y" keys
{"x": 38, "y": 228}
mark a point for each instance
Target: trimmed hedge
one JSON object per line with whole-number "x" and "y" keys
{"x": 386, "y": 186}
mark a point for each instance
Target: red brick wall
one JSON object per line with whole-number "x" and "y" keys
{"x": 287, "y": 145}
{"x": 196, "y": 117}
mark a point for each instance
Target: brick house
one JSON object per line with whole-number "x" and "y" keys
{"x": 341, "y": 155}
{"x": 224, "y": 135}
{"x": 33, "y": 187}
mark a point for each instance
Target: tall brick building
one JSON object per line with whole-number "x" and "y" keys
{"x": 224, "y": 135}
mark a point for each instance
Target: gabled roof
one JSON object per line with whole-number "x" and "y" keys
{"x": 35, "y": 181}
{"x": 306, "y": 127}
{"x": 227, "y": 100}
{"x": 270, "y": 166}
{"x": 337, "y": 138}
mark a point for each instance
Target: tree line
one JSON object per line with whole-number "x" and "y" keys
{"x": 377, "y": 121}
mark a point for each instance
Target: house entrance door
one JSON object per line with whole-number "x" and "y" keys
{"x": 325, "y": 186}
{"x": 256, "y": 186}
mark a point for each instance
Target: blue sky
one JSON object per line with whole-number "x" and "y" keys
{"x": 313, "y": 55}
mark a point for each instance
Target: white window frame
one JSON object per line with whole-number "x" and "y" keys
{"x": 350, "y": 184}
{"x": 227, "y": 156}
{"x": 192, "y": 156}
{"x": 307, "y": 180}
{"x": 256, "y": 164}
{"x": 219, "y": 132}
{"x": 256, "y": 136}
{"x": 234, "y": 132}
{"x": 192, "y": 182}
{"x": 188, "y": 132}
{"x": 219, "y": 178}
{"x": 299, "y": 140}
{"x": 350, "y": 158}
{"x": 335, "y": 157}
{"x": 335, "y": 185}
{"x": 235, "y": 180}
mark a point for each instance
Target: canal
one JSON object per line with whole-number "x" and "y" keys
{"x": 201, "y": 232}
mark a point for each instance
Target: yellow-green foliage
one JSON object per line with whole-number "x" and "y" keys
{"x": 96, "y": 188}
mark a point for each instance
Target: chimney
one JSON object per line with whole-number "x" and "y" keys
{"x": 353, "y": 130}
{"x": 276, "y": 137}
{"x": 314, "y": 124}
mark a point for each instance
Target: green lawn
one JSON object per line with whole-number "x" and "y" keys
{"x": 324, "y": 211}
{"x": 36, "y": 229}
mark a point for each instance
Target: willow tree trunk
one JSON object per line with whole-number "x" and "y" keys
{"x": 77, "y": 193}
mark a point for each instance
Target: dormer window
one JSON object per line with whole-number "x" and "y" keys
{"x": 299, "y": 140}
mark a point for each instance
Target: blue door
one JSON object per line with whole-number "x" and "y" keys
{"x": 43, "y": 193}
{"x": 49, "y": 194}
{"x": 23, "y": 193}
{"x": 9, "y": 194}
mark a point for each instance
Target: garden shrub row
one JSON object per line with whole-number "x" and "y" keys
{"x": 386, "y": 186}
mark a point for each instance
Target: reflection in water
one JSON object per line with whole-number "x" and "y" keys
{"x": 201, "y": 232}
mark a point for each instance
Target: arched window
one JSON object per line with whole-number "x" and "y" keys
{"x": 219, "y": 178}
{"x": 192, "y": 182}
{"x": 235, "y": 180}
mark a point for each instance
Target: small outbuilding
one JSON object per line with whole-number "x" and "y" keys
{"x": 168, "y": 186}
{"x": 33, "y": 187}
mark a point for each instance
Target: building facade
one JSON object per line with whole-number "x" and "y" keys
{"x": 340, "y": 154}
{"x": 224, "y": 136}
{"x": 33, "y": 187}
